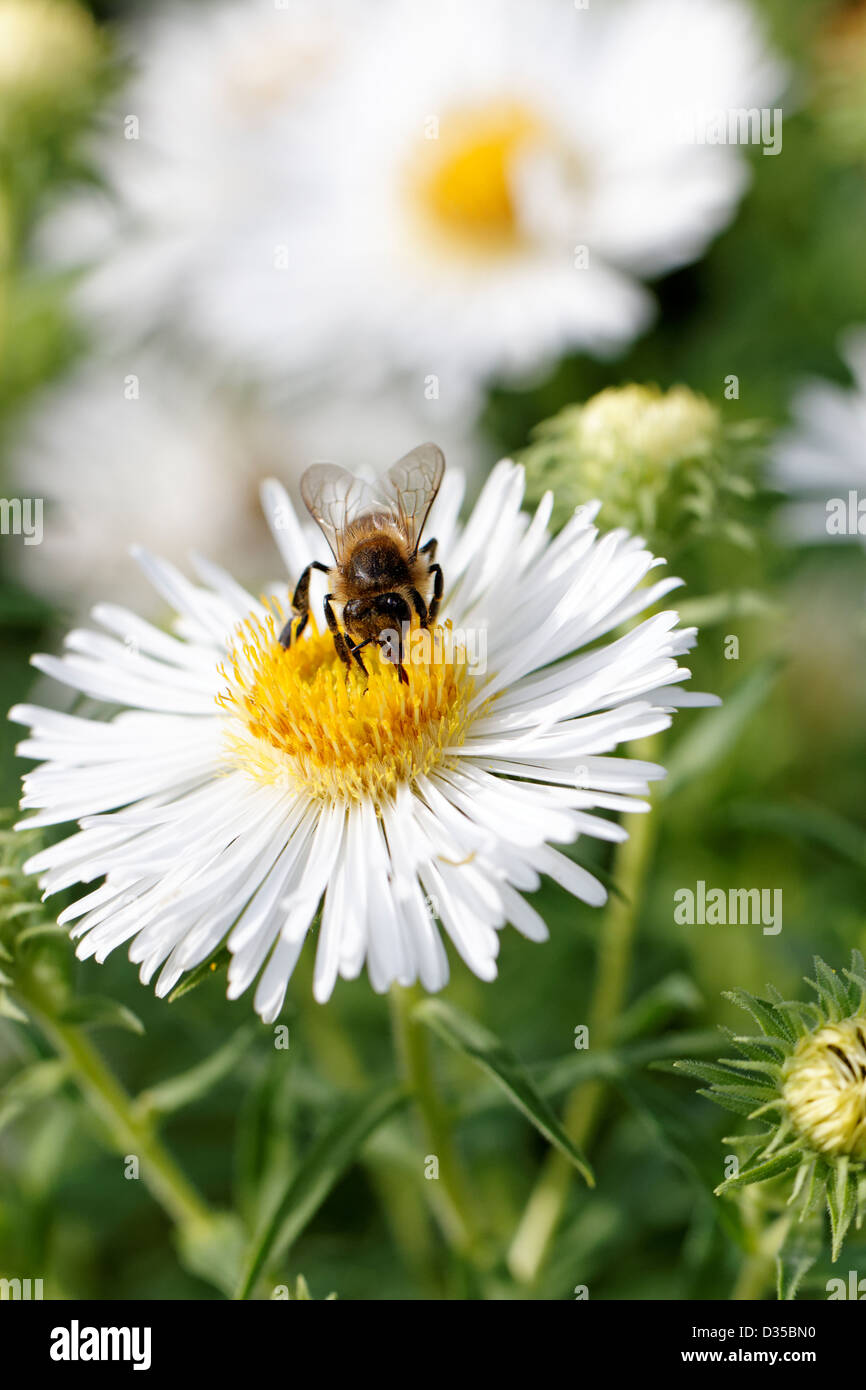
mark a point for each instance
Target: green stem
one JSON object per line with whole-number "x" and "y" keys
{"x": 129, "y": 1132}
{"x": 403, "y": 1205}
{"x": 448, "y": 1194}
{"x": 758, "y": 1271}
{"x": 544, "y": 1209}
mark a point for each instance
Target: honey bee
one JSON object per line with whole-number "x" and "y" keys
{"x": 379, "y": 576}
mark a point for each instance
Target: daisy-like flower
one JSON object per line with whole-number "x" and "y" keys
{"x": 243, "y": 785}
{"x": 511, "y": 172}
{"x": 453, "y": 191}
{"x": 805, "y": 1077}
{"x": 820, "y": 460}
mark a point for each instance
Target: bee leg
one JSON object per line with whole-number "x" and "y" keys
{"x": 405, "y": 620}
{"x": 430, "y": 549}
{"x": 419, "y": 606}
{"x": 300, "y": 605}
{"x": 438, "y": 586}
{"x": 340, "y": 642}
{"x": 353, "y": 652}
{"x": 290, "y": 634}
{"x": 401, "y": 670}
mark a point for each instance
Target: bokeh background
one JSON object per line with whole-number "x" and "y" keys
{"x": 217, "y": 299}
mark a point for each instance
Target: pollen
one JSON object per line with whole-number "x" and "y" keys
{"x": 824, "y": 1088}
{"x": 465, "y": 186}
{"x": 295, "y": 718}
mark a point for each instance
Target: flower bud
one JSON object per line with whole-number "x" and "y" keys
{"x": 824, "y": 1087}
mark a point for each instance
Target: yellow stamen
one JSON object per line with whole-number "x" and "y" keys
{"x": 467, "y": 194}
{"x": 294, "y": 719}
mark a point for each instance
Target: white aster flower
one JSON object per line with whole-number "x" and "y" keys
{"x": 243, "y": 785}
{"x": 502, "y": 174}
{"x": 821, "y": 459}
{"x": 459, "y": 191}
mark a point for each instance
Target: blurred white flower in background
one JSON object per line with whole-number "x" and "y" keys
{"x": 198, "y": 154}
{"x": 447, "y": 191}
{"x": 821, "y": 459}
{"x": 117, "y": 453}
{"x": 148, "y": 446}
{"x": 501, "y": 175}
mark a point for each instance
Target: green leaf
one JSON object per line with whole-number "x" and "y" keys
{"x": 97, "y": 1012}
{"x": 815, "y": 1193}
{"x": 856, "y": 976}
{"x": 714, "y": 736}
{"x": 833, "y": 990}
{"x": 749, "y": 1066}
{"x": 713, "y": 1072}
{"x": 561, "y": 1075}
{"x": 755, "y": 1092}
{"x": 766, "y": 1015}
{"x": 317, "y": 1175}
{"x": 218, "y": 961}
{"x": 11, "y": 914}
{"x": 188, "y": 1086}
{"x": 30, "y": 1086}
{"x": 842, "y": 1204}
{"x": 9, "y": 1008}
{"x": 799, "y": 1252}
{"x": 757, "y": 1049}
{"x": 40, "y": 929}
{"x": 669, "y": 1120}
{"x": 471, "y": 1039}
{"x": 736, "y": 1106}
{"x": 213, "y": 1249}
{"x": 720, "y": 608}
{"x": 676, "y": 994}
{"x": 781, "y": 1162}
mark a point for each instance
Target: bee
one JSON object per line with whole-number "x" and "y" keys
{"x": 380, "y": 576}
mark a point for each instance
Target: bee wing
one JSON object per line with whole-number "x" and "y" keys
{"x": 335, "y": 498}
{"x": 411, "y": 486}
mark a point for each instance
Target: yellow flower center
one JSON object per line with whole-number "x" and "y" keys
{"x": 297, "y": 720}
{"x": 825, "y": 1088}
{"x": 465, "y": 184}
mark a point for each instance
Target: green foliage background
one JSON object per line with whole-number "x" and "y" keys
{"x": 766, "y": 793}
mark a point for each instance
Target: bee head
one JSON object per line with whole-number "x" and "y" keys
{"x": 367, "y": 619}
